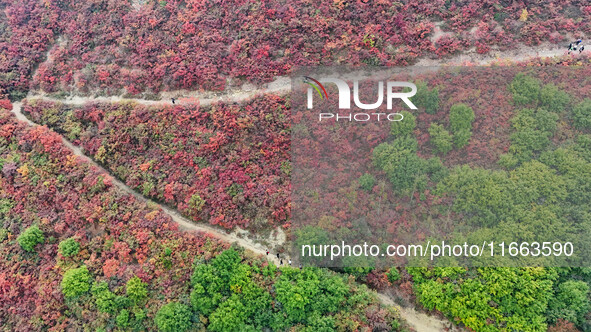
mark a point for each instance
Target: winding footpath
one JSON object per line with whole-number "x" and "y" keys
{"x": 183, "y": 222}
{"x": 421, "y": 322}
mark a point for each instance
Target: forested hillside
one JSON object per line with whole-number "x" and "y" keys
{"x": 471, "y": 154}
{"x": 497, "y": 152}
{"x": 76, "y": 253}
{"x": 225, "y": 164}
{"x": 114, "y": 47}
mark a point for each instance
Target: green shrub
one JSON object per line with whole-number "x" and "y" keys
{"x": 234, "y": 189}
{"x": 525, "y": 89}
{"x": 461, "y": 117}
{"x": 103, "y": 297}
{"x": 147, "y": 188}
{"x": 76, "y": 282}
{"x": 136, "y": 289}
{"x": 582, "y": 114}
{"x": 367, "y": 182}
{"x": 122, "y": 302}
{"x": 69, "y": 247}
{"x": 229, "y": 316}
{"x": 139, "y": 315}
{"x": 400, "y": 163}
{"x": 440, "y": 138}
{"x": 425, "y": 98}
{"x": 30, "y": 238}
{"x": 462, "y": 138}
{"x": 553, "y": 99}
{"x": 5, "y": 204}
{"x": 405, "y": 126}
{"x": 508, "y": 160}
{"x": 571, "y": 302}
{"x": 173, "y": 317}
{"x": 436, "y": 169}
{"x": 196, "y": 203}
{"x": 122, "y": 319}
{"x": 393, "y": 275}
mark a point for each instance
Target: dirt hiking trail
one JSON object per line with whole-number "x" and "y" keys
{"x": 183, "y": 222}
{"x": 419, "y": 321}
{"x": 282, "y": 84}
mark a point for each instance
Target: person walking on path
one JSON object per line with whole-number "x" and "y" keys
{"x": 575, "y": 46}
{"x": 571, "y": 47}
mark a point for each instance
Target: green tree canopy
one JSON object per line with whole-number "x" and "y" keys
{"x": 69, "y": 247}
{"x": 30, "y": 238}
{"x": 76, "y": 282}
{"x": 425, "y": 98}
{"x": 440, "y": 138}
{"x": 173, "y": 317}
{"x": 582, "y": 114}
{"x": 405, "y": 126}
{"x": 367, "y": 182}
{"x": 553, "y": 99}
{"x": 525, "y": 89}
{"x": 103, "y": 297}
{"x": 571, "y": 302}
{"x": 136, "y": 289}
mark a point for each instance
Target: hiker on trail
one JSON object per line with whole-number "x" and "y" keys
{"x": 290, "y": 262}
{"x": 281, "y": 262}
{"x": 581, "y": 49}
{"x": 173, "y": 100}
{"x": 571, "y": 47}
{"x": 575, "y": 45}
{"x": 300, "y": 266}
{"x": 267, "y": 252}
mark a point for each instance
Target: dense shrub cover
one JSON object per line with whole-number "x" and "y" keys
{"x": 114, "y": 47}
{"x": 226, "y": 164}
{"x": 545, "y": 159}
{"x": 149, "y": 46}
{"x": 403, "y": 157}
{"x": 30, "y": 238}
{"x": 69, "y": 247}
{"x": 132, "y": 258}
{"x": 505, "y": 299}
{"x": 544, "y": 192}
{"x": 235, "y": 297}
{"x": 43, "y": 184}
{"x": 525, "y": 181}
{"x": 27, "y": 30}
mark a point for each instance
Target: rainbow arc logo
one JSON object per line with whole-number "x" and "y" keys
{"x": 317, "y": 86}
